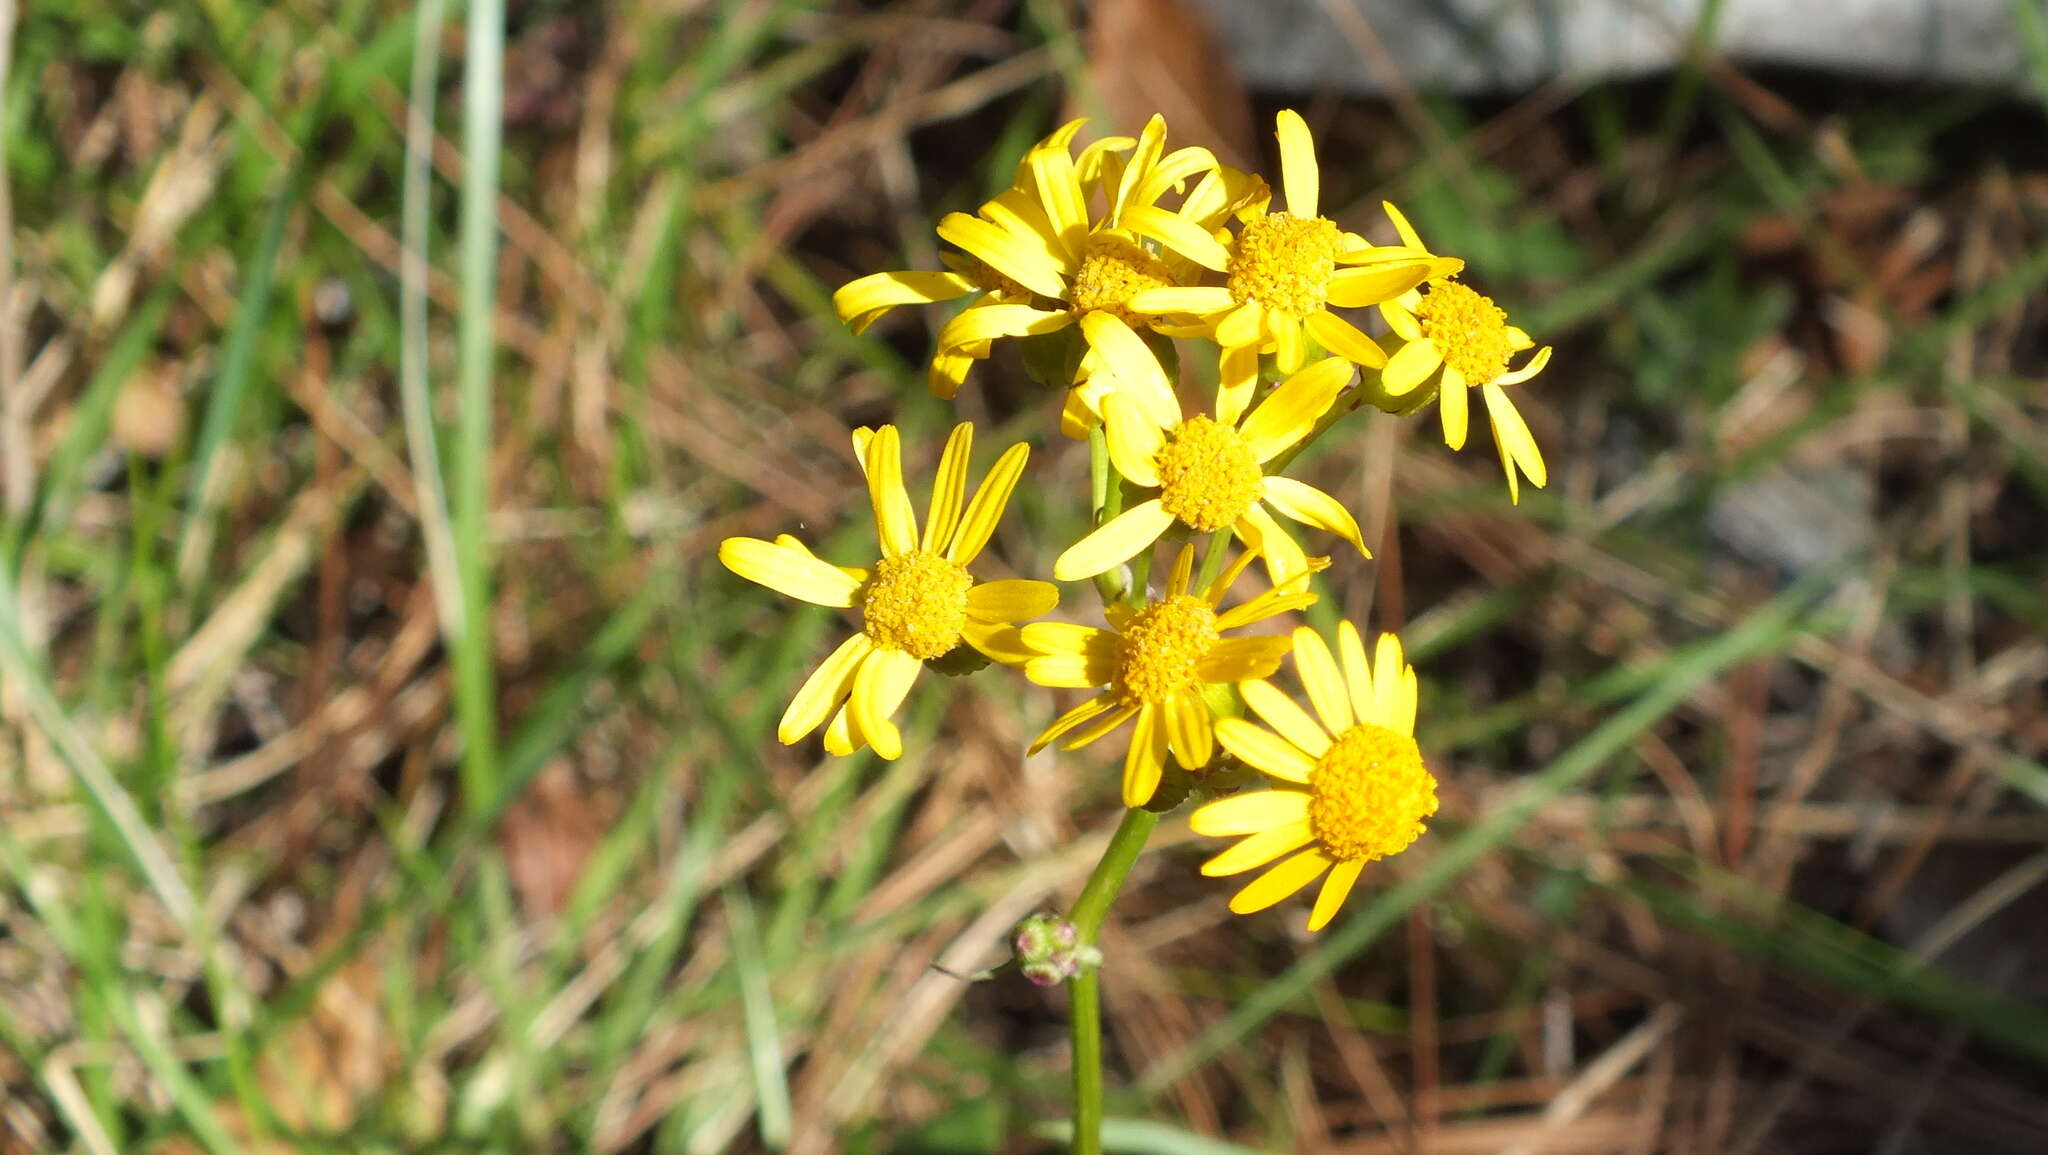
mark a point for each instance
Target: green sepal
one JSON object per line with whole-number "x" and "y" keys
{"x": 1053, "y": 359}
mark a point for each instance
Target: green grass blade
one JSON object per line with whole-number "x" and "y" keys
{"x": 416, "y": 399}
{"x": 483, "y": 129}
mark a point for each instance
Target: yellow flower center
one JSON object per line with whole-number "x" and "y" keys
{"x": 1369, "y": 794}
{"x": 916, "y": 602}
{"x": 1284, "y": 262}
{"x": 992, "y": 280}
{"x": 1159, "y": 649}
{"x": 1208, "y": 476}
{"x": 1467, "y": 328}
{"x": 1113, "y": 270}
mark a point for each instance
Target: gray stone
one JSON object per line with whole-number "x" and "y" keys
{"x": 1474, "y": 46}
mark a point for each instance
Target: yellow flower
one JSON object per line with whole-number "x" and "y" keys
{"x": 1208, "y": 471}
{"x": 1153, "y": 664}
{"x": 917, "y": 602}
{"x": 1039, "y": 260}
{"x": 1352, "y": 784}
{"x": 1450, "y": 329}
{"x": 1283, "y": 270}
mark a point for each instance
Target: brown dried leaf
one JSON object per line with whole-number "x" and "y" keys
{"x": 1147, "y": 56}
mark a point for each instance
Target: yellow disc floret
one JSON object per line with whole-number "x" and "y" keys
{"x": 1113, "y": 270}
{"x": 993, "y": 280}
{"x": 916, "y": 602}
{"x": 1369, "y": 794}
{"x": 1284, "y": 262}
{"x": 1467, "y": 328}
{"x": 1158, "y": 652}
{"x": 1208, "y": 476}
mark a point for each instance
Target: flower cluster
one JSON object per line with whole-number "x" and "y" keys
{"x": 1104, "y": 264}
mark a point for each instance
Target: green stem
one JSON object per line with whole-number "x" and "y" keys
{"x": 1108, "y": 492}
{"x": 1087, "y": 915}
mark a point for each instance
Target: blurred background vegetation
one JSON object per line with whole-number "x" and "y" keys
{"x": 1741, "y": 722}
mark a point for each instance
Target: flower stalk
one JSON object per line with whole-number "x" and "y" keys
{"x": 1087, "y": 914}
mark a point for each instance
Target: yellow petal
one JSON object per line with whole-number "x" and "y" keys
{"x": 1187, "y": 730}
{"x": 1272, "y": 603}
{"x": 1006, "y": 252}
{"x": 1242, "y": 327}
{"x": 1217, "y": 588}
{"x": 1067, "y": 671}
{"x": 995, "y": 321}
{"x": 839, "y": 739}
{"x": 1293, "y": 408}
{"x": 1100, "y": 728}
{"x": 1335, "y": 889}
{"x": 1279, "y": 882}
{"x": 1410, "y": 366}
{"x": 786, "y": 571}
{"x": 978, "y": 524}
{"x": 1298, "y": 175}
{"x": 1067, "y": 638}
{"x": 1451, "y": 407}
{"x": 1134, "y": 440}
{"x": 895, "y": 521}
{"x": 998, "y": 641}
{"x": 1281, "y": 553}
{"x": 1311, "y": 506}
{"x": 1517, "y": 444}
{"x": 1407, "y": 231}
{"x": 1151, "y": 144}
{"x": 880, "y": 686}
{"x": 1356, "y": 286}
{"x": 1322, "y": 679}
{"x": 1535, "y": 366}
{"x": 1145, "y": 761}
{"x": 1176, "y": 232}
{"x": 862, "y": 302}
{"x": 1018, "y": 213}
{"x": 1287, "y": 719}
{"x": 1171, "y": 174}
{"x": 1237, "y": 379}
{"x": 1052, "y": 169}
{"x": 1134, "y": 365}
{"x": 824, "y": 691}
{"x": 949, "y": 489}
{"x": 1114, "y": 543}
{"x": 1012, "y": 600}
{"x": 1183, "y": 572}
{"x": 1080, "y": 715}
{"x": 787, "y": 542}
{"x": 949, "y": 372}
{"x": 1402, "y": 720}
{"x": 1343, "y": 338}
{"x": 1241, "y": 659}
{"x": 1198, "y": 300}
{"x": 1388, "y": 673}
{"x": 1248, "y": 812}
{"x": 1358, "y": 675}
{"x": 1289, "y": 348}
{"x": 1262, "y": 750}
{"x": 1401, "y": 321}
{"x": 1260, "y": 849}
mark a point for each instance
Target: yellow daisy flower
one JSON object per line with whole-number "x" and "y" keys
{"x": 1352, "y": 784}
{"x": 1283, "y": 271}
{"x": 1208, "y": 470}
{"x": 917, "y": 602}
{"x": 1153, "y": 664}
{"x": 1039, "y": 260}
{"x": 1451, "y": 330}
